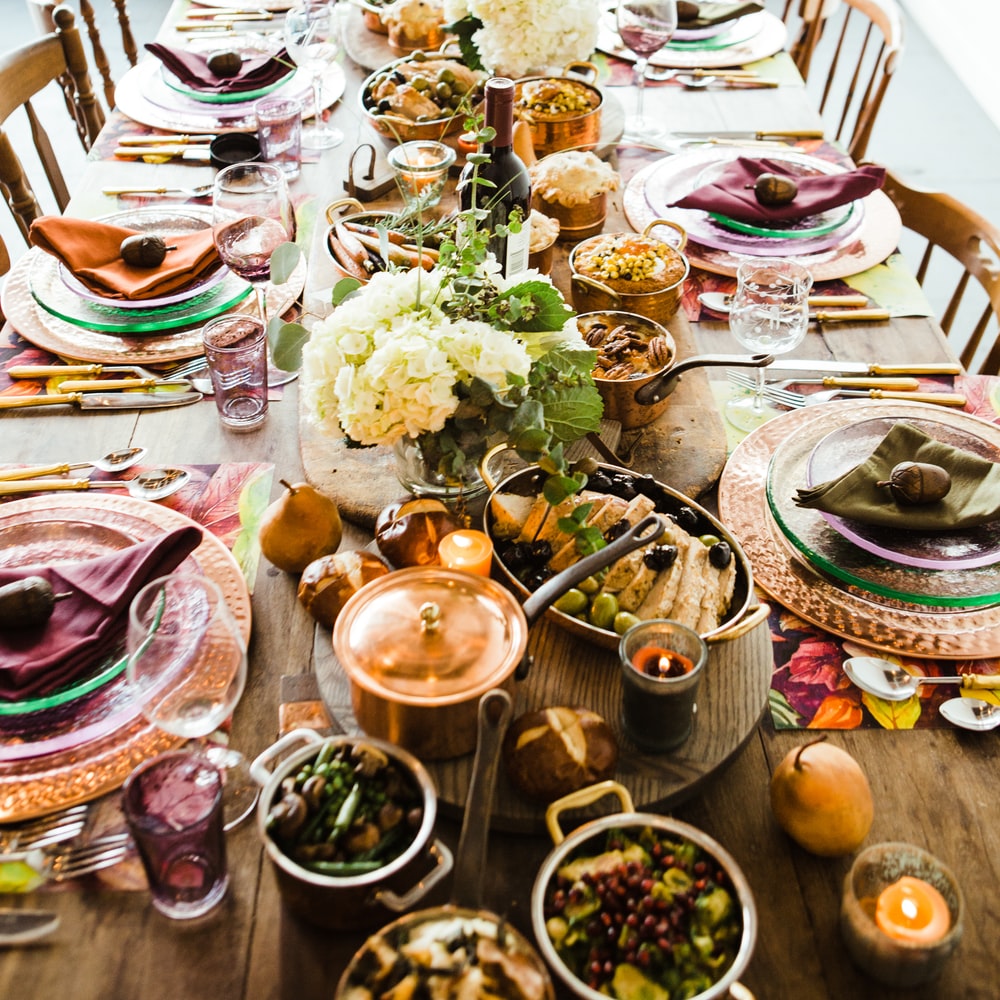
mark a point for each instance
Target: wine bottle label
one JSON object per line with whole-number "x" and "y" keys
{"x": 518, "y": 248}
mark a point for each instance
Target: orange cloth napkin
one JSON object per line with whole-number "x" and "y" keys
{"x": 731, "y": 193}
{"x": 91, "y": 251}
{"x": 86, "y": 626}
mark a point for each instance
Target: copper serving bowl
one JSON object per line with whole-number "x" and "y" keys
{"x": 553, "y": 131}
{"x": 743, "y": 612}
{"x": 592, "y": 294}
{"x": 615, "y": 382}
{"x": 395, "y": 127}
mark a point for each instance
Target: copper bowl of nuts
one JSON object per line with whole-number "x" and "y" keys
{"x": 638, "y": 273}
{"x": 631, "y": 351}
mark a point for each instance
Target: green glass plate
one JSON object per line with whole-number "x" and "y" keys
{"x": 242, "y": 97}
{"x": 742, "y": 30}
{"x": 107, "y": 671}
{"x": 875, "y": 579}
{"x": 799, "y": 229}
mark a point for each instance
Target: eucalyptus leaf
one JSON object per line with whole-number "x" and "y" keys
{"x": 284, "y": 260}
{"x": 286, "y": 341}
{"x": 344, "y": 288}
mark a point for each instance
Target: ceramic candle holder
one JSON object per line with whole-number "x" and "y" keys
{"x": 890, "y": 961}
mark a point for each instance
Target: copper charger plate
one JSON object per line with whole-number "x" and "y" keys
{"x": 960, "y": 634}
{"x": 34, "y": 786}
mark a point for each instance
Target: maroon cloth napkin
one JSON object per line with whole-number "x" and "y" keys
{"x": 85, "y": 627}
{"x": 191, "y": 68}
{"x": 703, "y": 15}
{"x": 729, "y": 195}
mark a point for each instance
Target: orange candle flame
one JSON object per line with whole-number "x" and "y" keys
{"x": 471, "y": 551}
{"x": 912, "y": 910}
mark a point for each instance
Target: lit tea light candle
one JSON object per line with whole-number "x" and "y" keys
{"x": 912, "y": 910}
{"x": 471, "y": 551}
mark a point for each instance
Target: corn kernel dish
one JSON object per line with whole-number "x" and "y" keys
{"x": 628, "y": 262}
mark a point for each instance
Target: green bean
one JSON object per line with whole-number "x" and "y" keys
{"x": 342, "y": 868}
{"x": 345, "y": 817}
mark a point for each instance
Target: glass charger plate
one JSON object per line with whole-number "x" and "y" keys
{"x": 855, "y": 247}
{"x": 845, "y": 447}
{"x": 239, "y": 97}
{"x": 826, "y": 548}
{"x": 955, "y": 634}
{"x": 768, "y": 41}
{"x": 197, "y": 304}
{"x": 69, "y": 340}
{"x": 92, "y": 750}
{"x": 143, "y": 95}
{"x": 671, "y": 179}
{"x": 78, "y": 288}
{"x": 735, "y": 32}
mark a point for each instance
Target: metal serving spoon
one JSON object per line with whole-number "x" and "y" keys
{"x": 885, "y": 680}
{"x": 971, "y": 713}
{"x": 114, "y": 461}
{"x": 152, "y": 485}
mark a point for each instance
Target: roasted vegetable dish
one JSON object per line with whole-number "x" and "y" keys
{"x": 349, "y": 811}
{"x": 423, "y": 88}
{"x": 640, "y": 915}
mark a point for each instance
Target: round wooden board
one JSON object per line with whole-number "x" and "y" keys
{"x": 568, "y": 671}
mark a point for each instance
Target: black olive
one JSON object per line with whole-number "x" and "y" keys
{"x": 534, "y": 578}
{"x": 660, "y": 557}
{"x": 384, "y": 106}
{"x": 720, "y": 555}
{"x": 601, "y": 482}
{"x": 541, "y": 551}
{"x": 687, "y": 518}
{"x": 398, "y": 77}
{"x": 517, "y": 556}
{"x": 616, "y": 530}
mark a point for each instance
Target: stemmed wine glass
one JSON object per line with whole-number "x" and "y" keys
{"x": 645, "y": 26}
{"x": 187, "y": 666}
{"x": 312, "y": 39}
{"x": 769, "y": 314}
{"x": 251, "y": 217}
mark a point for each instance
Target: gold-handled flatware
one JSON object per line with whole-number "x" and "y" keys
{"x": 157, "y": 154}
{"x": 721, "y": 80}
{"x": 886, "y": 680}
{"x": 789, "y": 134}
{"x": 721, "y": 303}
{"x": 230, "y": 15}
{"x": 850, "y": 316}
{"x": 103, "y": 400}
{"x": 53, "y": 371}
{"x": 898, "y": 384}
{"x": 121, "y": 384}
{"x": 811, "y": 366}
{"x": 152, "y": 485}
{"x": 796, "y": 400}
{"x": 115, "y": 461}
{"x": 168, "y": 140}
{"x": 198, "y": 191}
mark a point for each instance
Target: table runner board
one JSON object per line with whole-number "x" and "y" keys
{"x": 569, "y": 671}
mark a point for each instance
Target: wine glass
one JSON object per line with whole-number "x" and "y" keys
{"x": 645, "y": 26}
{"x": 312, "y": 38}
{"x": 187, "y": 666}
{"x": 769, "y": 314}
{"x": 252, "y": 216}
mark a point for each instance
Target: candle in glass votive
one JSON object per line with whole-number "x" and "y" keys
{"x": 912, "y": 910}
{"x": 471, "y": 551}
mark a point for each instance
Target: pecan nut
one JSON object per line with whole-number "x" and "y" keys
{"x": 658, "y": 351}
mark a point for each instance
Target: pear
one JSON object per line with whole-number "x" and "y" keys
{"x": 821, "y": 799}
{"x": 298, "y": 527}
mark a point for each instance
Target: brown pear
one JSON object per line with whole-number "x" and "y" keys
{"x": 298, "y": 527}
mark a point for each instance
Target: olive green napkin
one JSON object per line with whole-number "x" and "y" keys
{"x": 974, "y": 497}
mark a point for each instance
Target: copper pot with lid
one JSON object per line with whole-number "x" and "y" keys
{"x": 422, "y": 645}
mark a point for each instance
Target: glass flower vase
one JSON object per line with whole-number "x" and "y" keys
{"x": 421, "y": 470}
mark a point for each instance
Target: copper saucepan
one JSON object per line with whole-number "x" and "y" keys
{"x": 422, "y": 645}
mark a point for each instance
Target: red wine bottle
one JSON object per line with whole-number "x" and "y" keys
{"x": 510, "y": 188}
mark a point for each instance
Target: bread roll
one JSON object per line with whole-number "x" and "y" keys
{"x": 554, "y": 751}
{"x": 329, "y": 582}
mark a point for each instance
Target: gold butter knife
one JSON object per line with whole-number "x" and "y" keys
{"x": 119, "y": 384}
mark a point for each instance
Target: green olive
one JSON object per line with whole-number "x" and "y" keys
{"x": 708, "y": 540}
{"x": 590, "y": 586}
{"x": 572, "y": 602}
{"x": 443, "y": 90}
{"x": 420, "y": 83}
{"x": 446, "y": 75}
{"x": 603, "y": 609}
{"x": 624, "y": 620}
{"x": 418, "y": 56}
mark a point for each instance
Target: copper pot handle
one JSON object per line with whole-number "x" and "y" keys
{"x": 443, "y": 864}
{"x": 336, "y": 208}
{"x": 584, "y": 797}
{"x": 582, "y": 68}
{"x": 591, "y": 284}
{"x": 672, "y": 225}
{"x": 754, "y": 616}
{"x": 661, "y": 386}
{"x": 739, "y": 992}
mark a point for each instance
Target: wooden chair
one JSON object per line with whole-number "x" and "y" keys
{"x": 42, "y": 10}
{"x": 849, "y": 49}
{"x": 24, "y": 72}
{"x": 4, "y": 268}
{"x": 943, "y": 223}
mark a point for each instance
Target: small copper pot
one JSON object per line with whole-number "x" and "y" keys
{"x": 593, "y": 295}
{"x": 576, "y": 222}
{"x": 571, "y": 130}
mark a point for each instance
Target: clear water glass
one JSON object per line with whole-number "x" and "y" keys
{"x": 312, "y": 38}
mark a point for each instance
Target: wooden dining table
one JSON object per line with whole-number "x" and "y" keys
{"x": 935, "y": 788}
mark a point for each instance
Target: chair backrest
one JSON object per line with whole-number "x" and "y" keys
{"x": 946, "y": 226}
{"x": 4, "y": 268}
{"x": 24, "y": 72}
{"x": 42, "y": 11}
{"x": 848, "y": 51}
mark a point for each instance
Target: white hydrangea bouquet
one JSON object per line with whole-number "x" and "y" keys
{"x": 455, "y": 359}
{"x": 513, "y": 37}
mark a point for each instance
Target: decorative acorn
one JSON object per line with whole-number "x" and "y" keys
{"x": 773, "y": 189}
{"x": 913, "y": 483}
{"x": 225, "y": 64}
{"x": 144, "y": 250}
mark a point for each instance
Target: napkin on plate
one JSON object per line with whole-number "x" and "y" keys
{"x": 713, "y": 13}
{"x": 730, "y": 195}
{"x": 191, "y": 68}
{"x": 88, "y": 625}
{"x": 974, "y": 497}
{"x": 91, "y": 250}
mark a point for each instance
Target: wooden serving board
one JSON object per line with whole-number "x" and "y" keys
{"x": 569, "y": 671}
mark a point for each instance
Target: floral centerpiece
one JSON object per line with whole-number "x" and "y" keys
{"x": 515, "y": 37}
{"x": 443, "y": 363}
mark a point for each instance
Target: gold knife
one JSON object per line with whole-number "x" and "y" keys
{"x": 119, "y": 384}
{"x": 169, "y": 140}
{"x": 850, "y": 316}
{"x": 864, "y": 367}
{"x": 940, "y": 398}
{"x": 831, "y": 381}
